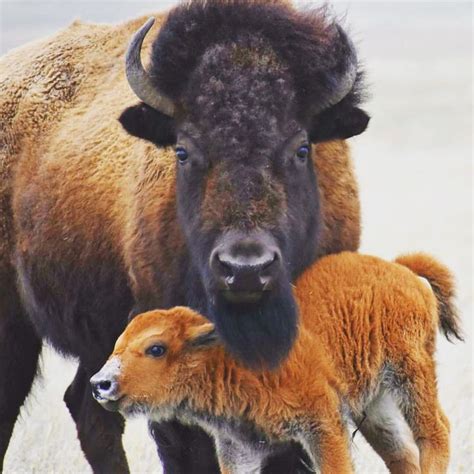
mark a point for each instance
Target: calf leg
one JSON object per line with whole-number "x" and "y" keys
{"x": 235, "y": 458}
{"x": 184, "y": 450}
{"x": 19, "y": 352}
{"x": 99, "y": 431}
{"x": 418, "y": 401}
{"x": 327, "y": 444}
{"x": 386, "y": 430}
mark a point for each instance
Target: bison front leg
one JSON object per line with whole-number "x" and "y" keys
{"x": 183, "y": 449}
{"x": 293, "y": 459}
{"x": 19, "y": 350}
{"x": 99, "y": 431}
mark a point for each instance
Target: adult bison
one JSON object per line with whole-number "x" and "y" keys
{"x": 96, "y": 224}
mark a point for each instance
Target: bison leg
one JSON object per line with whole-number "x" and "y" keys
{"x": 183, "y": 449}
{"x": 99, "y": 431}
{"x": 293, "y": 459}
{"x": 20, "y": 348}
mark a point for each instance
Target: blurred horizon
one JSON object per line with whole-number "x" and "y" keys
{"x": 24, "y": 21}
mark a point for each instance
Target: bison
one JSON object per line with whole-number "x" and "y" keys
{"x": 233, "y": 177}
{"x": 365, "y": 350}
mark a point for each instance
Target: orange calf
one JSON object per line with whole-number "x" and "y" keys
{"x": 364, "y": 351}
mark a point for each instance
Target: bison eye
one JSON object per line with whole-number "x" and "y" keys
{"x": 303, "y": 152}
{"x": 156, "y": 350}
{"x": 181, "y": 154}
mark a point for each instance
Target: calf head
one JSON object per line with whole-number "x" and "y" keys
{"x": 242, "y": 89}
{"x": 156, "y": 363}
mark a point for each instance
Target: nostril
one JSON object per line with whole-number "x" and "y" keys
{"x": 222, "y": 267}
{"x": 225, "y": 265}
{"x": 271, "y": 261}
{"x": 104, "y": 385}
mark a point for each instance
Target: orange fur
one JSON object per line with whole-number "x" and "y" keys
{"x": 367, "y": 330}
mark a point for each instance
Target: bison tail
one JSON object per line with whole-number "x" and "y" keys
{"x": 442, "y": 283}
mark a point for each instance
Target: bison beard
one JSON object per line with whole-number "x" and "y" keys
{"x": 260, "y": 334}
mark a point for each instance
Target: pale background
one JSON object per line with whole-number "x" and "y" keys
{"x": 414, "y": 166}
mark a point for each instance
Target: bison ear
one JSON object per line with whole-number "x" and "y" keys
{"x": 202, "y": 336}
{"x": 143, "y": 121}
{"x": 340, "y": 121}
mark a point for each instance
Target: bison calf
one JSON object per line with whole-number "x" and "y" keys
{"x": 364, "y": 351}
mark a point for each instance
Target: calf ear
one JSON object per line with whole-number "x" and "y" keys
{"x": 340, "y": 121}
{"x": 143, "y": 121}
{"x": 203, "y": 335}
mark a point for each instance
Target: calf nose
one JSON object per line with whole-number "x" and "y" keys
{"x": 245, "y": 263}
{"x": 104, "y": 383}
{"x": 103, "y": 389}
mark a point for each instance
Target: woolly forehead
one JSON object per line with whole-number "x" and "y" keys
{"x": 241, "y": 94}
{"x": 206, "y": 47}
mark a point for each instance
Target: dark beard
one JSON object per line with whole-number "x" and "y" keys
{"x": 260, "y": 335}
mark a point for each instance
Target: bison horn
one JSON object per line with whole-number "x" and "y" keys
{"x": 346, "y": 80}
{"x": 139, "y": 79}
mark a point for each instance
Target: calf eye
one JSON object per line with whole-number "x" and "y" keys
{"x": 181, "y": 154}
{"x": 303, "y": 152}
{"x": 156, "y": 350}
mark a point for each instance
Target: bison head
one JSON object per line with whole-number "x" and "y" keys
{"x": 242, "y": 89}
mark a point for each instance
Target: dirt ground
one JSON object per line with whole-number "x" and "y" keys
{"x": 415, "y": 170}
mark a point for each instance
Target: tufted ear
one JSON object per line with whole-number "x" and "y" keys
{"x": 341, "y": 121}
{"x": 143, "y": 121}
{"x": 202, "y": 336}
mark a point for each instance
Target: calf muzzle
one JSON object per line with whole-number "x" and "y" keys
{"x": 105, "y": 387}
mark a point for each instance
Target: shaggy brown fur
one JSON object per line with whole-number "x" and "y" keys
{"x": 365, "y": 346}
{"x": 90, "y": 211}
{"x": 59, "y": 101}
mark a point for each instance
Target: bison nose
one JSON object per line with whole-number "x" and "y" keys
{"x": 245, "y": 265}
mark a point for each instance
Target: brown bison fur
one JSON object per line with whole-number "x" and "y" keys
{"x": 88, "y": 223}
{"x": 365, "y": 350}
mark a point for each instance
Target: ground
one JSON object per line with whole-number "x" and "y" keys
{"x": 415, "y": 171}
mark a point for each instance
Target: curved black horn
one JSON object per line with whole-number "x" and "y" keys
{"x": 139, "y": 79}
{"x": 345, "y": 82}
